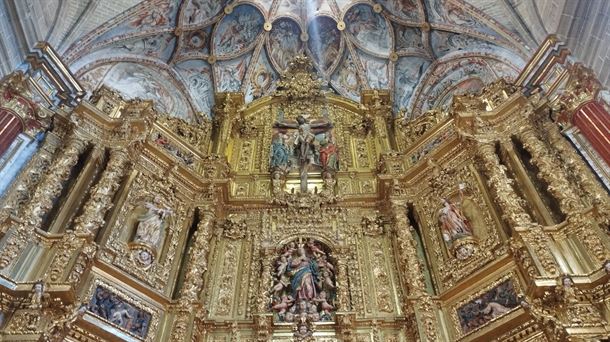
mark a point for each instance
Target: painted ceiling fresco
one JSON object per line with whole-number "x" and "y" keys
{"x": 178, "y": 53}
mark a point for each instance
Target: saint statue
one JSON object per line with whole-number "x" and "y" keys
{"x": 151, "y": 224}
{"x": 329, "y": 158}
{"x": 279, "y": 153}
{"x": 304, "y": 283}
{"x": 454, "y": 224}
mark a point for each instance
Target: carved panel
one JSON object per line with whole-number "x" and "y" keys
{"x": 122, "y": 250}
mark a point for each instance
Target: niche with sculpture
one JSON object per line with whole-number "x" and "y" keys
{"x": 303, "y": 146}
{"x": 304, "y": 283}
{"x": 460, "y": 223}
{"x": 149, "y": 222}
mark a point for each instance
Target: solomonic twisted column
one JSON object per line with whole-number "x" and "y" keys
{"x": 25, "y": 184}
{"x": 90, "y": 221}
{"x": 407, "y": 252}
{"x": 512, "y": 205}
{"x": 592, "y": 191}
{"x": 558, "y": 184}
{"x": 50, "y": 188}
{"x": 44, "y": 197}
{"x": 193, "y": 280}
{"x": 577, "y": 166}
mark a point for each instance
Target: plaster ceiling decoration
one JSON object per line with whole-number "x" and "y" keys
{"x": 423, "y": 50}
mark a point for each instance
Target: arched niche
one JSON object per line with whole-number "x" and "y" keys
{"x": 304, "y": 281}
{"x": 148, "y": 227}
{"x": 460, "y": 223}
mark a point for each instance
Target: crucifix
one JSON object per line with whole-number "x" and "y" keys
{"x": 304, "y": 147}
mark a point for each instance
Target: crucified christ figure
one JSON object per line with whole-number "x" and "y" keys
{"x": 304, "y": 143}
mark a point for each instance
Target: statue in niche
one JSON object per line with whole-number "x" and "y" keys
{"x": 152, "y": 219}
{"x": 280, "y": 153}
{"x": 303, "y": 147}
{"x": 329, "y": 156}
{"x": 456, "y": 226}
{"x": 151, "y": 224}
{"x": 304, "y": 283}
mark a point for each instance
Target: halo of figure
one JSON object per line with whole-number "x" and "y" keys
{"x": 304, "y": 282}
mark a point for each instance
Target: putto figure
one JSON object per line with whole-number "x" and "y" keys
{"x": 304, "y": 282}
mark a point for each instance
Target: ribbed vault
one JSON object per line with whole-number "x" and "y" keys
{"x": 178, "y": 53}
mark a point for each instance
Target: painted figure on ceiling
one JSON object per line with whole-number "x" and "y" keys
{"x": 284, "y": 42}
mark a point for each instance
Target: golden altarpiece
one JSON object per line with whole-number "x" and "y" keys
{"x": 304, "y": 216}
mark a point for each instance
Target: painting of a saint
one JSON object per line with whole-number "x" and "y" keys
{"x": 139, "y": 81}
{"x": 304, "y": 282}
{"x": 238, "y": 31}
{"x": 199, "y": 11}
{"x": 284, "y": 42}
{"x": 492, "y": 304}
{"x": 369, "y": 29}
{"x": 154, "y": 16}
{"x": 198, "y": 76}
{"x": 119, "y": 312}
{"x": 377, "y": 71}
{"x": 405, "y": 9}
{"x": 229, "y": 74}
{"x": 324, "y": 41}
{"x": 409, "y": 70}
